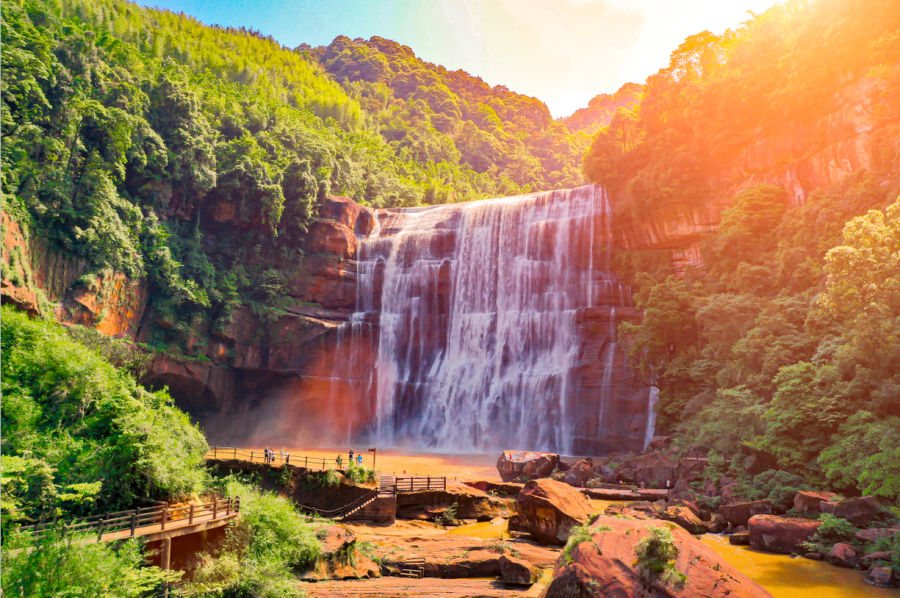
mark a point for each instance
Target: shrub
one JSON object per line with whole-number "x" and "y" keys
{"x": 263, "y": 547}
{"x": 361, "y": 475}
{"x": 78, "y": 421}
{"x": 656, "y": 557}
{"x": 833, "y": 530}
{"x": 580, "y": 534}
{"x": 778, "y": 486}
{"x": 54, "y": 566}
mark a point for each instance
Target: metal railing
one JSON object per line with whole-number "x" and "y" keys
{"x": 416, "y": 483}
{"x": 139, "y": 519}
{"x": 231, "y": 452}
{"x": 345, "y": 510}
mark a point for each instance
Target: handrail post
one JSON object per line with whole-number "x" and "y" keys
{"x": 228, "y": 507}
{"x": 215, "y": 452}
{"x": 134, "y": 514}
{"x": 306, "y": 462}
{"x": 429, "y": 482}
{"x": 215, "y": 507}
{"x": 191, "y": 515}
{"x": 235, "y": 454}
{"x": 165, "y": 514}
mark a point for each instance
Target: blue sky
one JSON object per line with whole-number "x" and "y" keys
{"x": 563, "y": 52}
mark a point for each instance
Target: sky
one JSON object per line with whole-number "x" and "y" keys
{"x": 563, "y": 52}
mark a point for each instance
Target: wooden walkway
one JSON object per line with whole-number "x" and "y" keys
{"x": 153, "y": 523}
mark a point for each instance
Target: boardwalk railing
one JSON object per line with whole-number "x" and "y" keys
{"x": 231, "y": 452}
{"x": 418, "y": 483}
{"x": 345, "y": 510}
{"x": 161, "y": 515}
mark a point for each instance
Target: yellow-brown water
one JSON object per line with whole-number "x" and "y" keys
{"x": 785, "y": 577}
{"x": 486, "y": 530}
{"x": 395, "y": 462}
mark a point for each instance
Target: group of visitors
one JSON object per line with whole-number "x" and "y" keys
{"x": 340, "y": 459}
{"x": 270, "y": 456}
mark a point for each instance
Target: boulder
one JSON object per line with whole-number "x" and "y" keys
{"x": 550, "y": 509}
{"x": 606, "y": 473}
{"x": 518, "y": 572}
{"x": 344, "y": 210}
{"x": 681, "y": 491}
{"x": 781, "y": 534}
{"x": 606, "y": 566}
{"x": 526, "y": 464}
{"x": 871, "y": 535}
{"x": 579, "y": 473}
{"x": 340, "y": 558}
{"x": 653, "y": 469}
{"x": 843, "y": 555}
{"x": 807, "y": 502}
{"x": 739, "y": 539}
{"x": 881, "y": 577}
{"x": 495, "y": 488}
{"x": 729, "y": 493}
{"x": 660, "y": 443}
{"x": 686, "y": 518}
{"x": 740, "y": 513}
{"x": 874, "y": 558}
{"x": 717, "y": 524}
{"x": 861, "y": 512}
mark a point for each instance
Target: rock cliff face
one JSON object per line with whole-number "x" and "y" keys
{"x": 308, "y": 373}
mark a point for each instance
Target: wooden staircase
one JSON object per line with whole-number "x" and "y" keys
{"x": 413, "y": 568}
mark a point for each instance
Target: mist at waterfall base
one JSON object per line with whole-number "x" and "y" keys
{"x": 480, "y": 327}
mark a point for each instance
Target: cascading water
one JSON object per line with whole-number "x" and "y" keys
{"x": 481, "y": 316}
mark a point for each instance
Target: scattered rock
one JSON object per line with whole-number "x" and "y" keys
{"x": 717, "y": 524}
{"x": 660, "y": 443}
{"x": 784, "y": 535}
{"x": 686, "y": 518}
{"x": 870, "y": 535}
{"x": 813, "y": 556}
{"x": 739, "y": 539}
{"x": 579, "y": 473}
{"x": 517, "y": 571}
{"x": 550, "y": 509}
{"x": 526, "y": 464}
{"x": 807, "y": 503}
{"x": 606, "y": 566}
{"x": 340, "y": 559}
{"x": 861, "y": 512}
{"x": 489, "y": 487}
{"x": 881, "y": 577}
{"x": 873, "y": 558}
{"x": 740, "y": 513}
{"x": 843, "y": 555}
{"x": 652, "y": 469}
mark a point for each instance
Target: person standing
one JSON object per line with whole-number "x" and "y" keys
{"x": 266, "y": 453}
{"x": 350, "y": 462}
{"x": 287, "y": 458}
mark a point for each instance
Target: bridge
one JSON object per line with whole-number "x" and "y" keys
{"x": 158, "y": 523}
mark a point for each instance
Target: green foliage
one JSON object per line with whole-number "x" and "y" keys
{"x": 833, "y": 530}
{"x": 80, "y": 436}
{"x": 361, "y": 475}
{"x": 448, "y": 517}
{"x": 71, "y": 566}
{"x": 580, "y": 534}
{"x": 263, "y": 548}
{"x": 778, "y": 486}
{"x": 657, "y": 556}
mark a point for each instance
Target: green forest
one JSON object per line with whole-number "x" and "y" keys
{"x": 122, "y": 126}
{"x": 786, "y": 343}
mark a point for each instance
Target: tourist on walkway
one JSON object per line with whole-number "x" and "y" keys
{"x": 359, "y": 460}
{"x": 287, "y": 458}
{"x": 267, "y": 455}
{"x": 350, "y": 462}
{"x": 338, "y": 459}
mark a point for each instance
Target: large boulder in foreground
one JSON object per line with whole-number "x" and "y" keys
{"x": 781, "y": 534}
{"x": 606, "y": 567}
{"x": 525, "y": 465}
{"x": 550, "y": 509}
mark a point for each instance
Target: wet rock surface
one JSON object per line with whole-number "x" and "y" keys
{"x": 784, "y": 535}
{"x": 519, "y": 465}
{"x": 550, "y": 509}
{"x": 605, "y": 566}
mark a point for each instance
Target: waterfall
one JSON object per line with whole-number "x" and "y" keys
{"x": 481, "y": 320}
